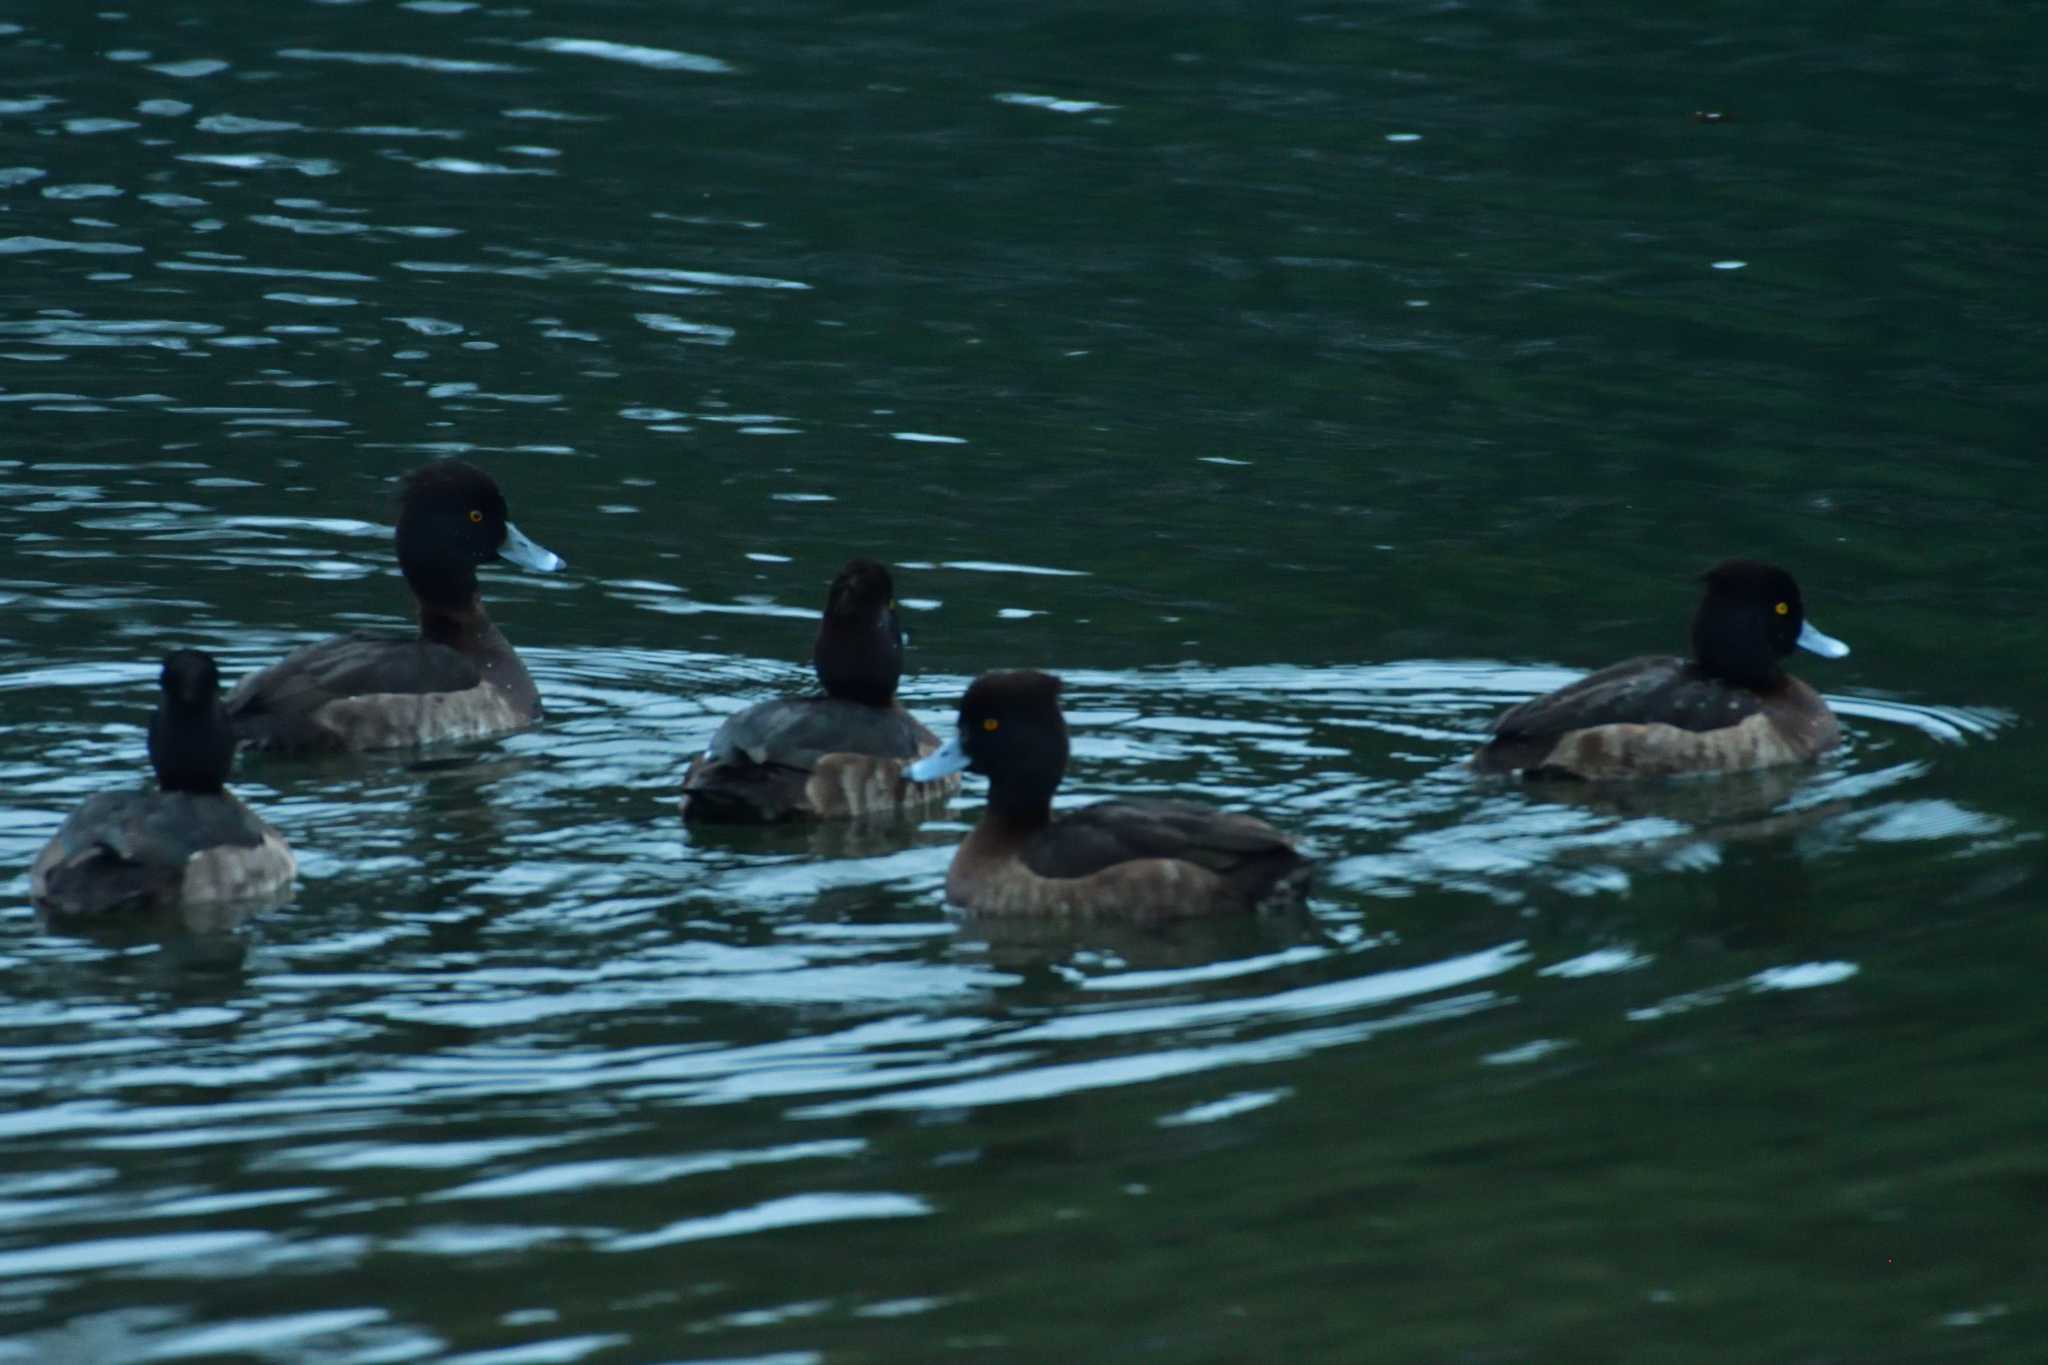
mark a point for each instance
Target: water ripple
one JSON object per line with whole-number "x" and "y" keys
{"x": 446, "y": 65}
{"x": 30, "y": 245}
{"x": 656, "y": 58}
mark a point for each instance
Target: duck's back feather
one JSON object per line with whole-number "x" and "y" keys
{"x": 1654, "y": 689}
{"x": 1085, "y": 841}
{"x": 147, "y": 849}
{"x": 1658, "y": 716}
{"x": 797, "y": 731}
{"x": 1144, "y": 861}
{"x": 282, "y": 706}
{"x": 810, "y": 757}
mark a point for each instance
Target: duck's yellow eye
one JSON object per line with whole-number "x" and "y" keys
{"x": 476, "y": 516}
{"x": 1783, "y": 609}
{"x": 991, "y": 725}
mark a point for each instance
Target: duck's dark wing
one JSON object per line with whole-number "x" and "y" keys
{"x": 275, "y": 707}
{"x": 798, "y": 731}
{"x": 1650, "y": 690}
{"x": 1242, "y": 849}
{"x": 1654, "y": 689}
{"x": 760, "y": 764}
{"x": 130, "y": 848}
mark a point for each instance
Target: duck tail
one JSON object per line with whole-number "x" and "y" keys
{"x": 737, "y": 791}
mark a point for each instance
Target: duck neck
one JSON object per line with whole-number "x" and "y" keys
{"x": 448, "y": 585}
{"x": 1735, "y": 651}
{"x": 1018, "y": 808}
{"x": 465, "y": 628}
{"x": 858, "y": 661}
{"x": 191, "y": 746}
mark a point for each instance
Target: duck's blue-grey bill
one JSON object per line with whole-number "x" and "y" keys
{"x": 527, "y": 555}
{"x": 947, "y": 759}
{"x": 1827, "y": 646}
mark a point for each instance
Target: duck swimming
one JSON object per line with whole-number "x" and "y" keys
{"x": 458, "y": 678}
{"x": 1730, "y": 706}
{"x": 831, "y": 756}
{"x": 189, "y": 842}
{"x": 1145, "y": 860}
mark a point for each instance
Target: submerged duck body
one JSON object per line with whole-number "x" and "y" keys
{"x": 834, "y": 756}
{"x": 1145, "y": 860}
{"x": 1730, "y": 707}
{"x": 457, "y": 678}
{"x": 190, "y": 842}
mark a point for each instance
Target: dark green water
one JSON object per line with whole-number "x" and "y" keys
{"x": 1305, "y": 385}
